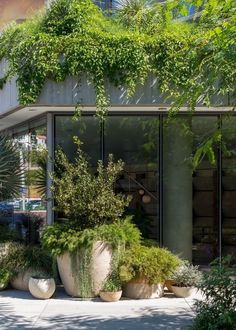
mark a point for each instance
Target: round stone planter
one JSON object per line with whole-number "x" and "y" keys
{"x": 42, "y": 288}
{"x": 110, "y": 296}
{"x": 84, "y": 272}
{"x": 140, "y": 289}
{"x": 182, "y": 292}
{"x": 21, "y": 281}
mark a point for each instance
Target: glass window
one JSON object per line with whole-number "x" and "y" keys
{"x": 135, "y": 141}
{"x": 190, "y": 218}
{"x": 25, "y": 212}
{"x": 86, "y": 128}
{"x": 229, "y": 187}
{"x": 205, "y": 196}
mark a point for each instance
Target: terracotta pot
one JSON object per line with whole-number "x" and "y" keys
{"x": 182, "y": 292}
{"x": 71, "y": 270}
{"x": 110, "y": 296}
{"x": 42, "y": 288}
{"x": 21, "y": 281}
{"x": 140, "y": 289}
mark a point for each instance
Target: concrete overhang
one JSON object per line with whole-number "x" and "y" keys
{"x": 23, "y": 114}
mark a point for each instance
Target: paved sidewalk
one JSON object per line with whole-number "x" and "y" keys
{"x": 18, "y": 310}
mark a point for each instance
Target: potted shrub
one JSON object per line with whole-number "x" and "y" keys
{"x": 42, "y": 285}
{"x": 5, "y": 276}
{"x": 145, "y": 269}
{"x": 23, "y": 261}
{"x": 111, "y": 290}
{"x": 94, "y": 228}
{"x": 186, "y": 278}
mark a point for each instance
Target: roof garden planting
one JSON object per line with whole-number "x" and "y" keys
{"x": 192, "y": 60}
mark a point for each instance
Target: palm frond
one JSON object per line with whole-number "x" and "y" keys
{"x": 12, "y": 169}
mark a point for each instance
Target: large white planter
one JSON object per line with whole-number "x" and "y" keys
{"x": 79, "y": 276}
{"x": 42, "y": 288}
{"x": 182, "y": 292}
{"x": 140, "y": 289}
{"x": 21, "y": 281}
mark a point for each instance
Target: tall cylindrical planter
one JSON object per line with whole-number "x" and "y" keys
{"x": 84, "y": 271}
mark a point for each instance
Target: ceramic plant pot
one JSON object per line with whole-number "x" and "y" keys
{"x": 21, "y": 281}
{"x": 84, "y": 272}
{"x": 42, "y": 288}
{"x": 182, "y": 292}
{"x": 140, "y": 289}
{"x": 110, "y": 296}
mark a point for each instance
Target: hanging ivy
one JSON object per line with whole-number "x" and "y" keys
{"x": 193, "y": 61}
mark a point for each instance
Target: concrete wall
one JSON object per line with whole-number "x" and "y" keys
{"x": 9, "y": 94}
{"x": 80, "y": 90}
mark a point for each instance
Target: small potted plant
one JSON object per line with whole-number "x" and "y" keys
{"x": 111, "y": 290}
{"x": 5, "y": 276}
{"x": 24, "y": 261}
{"x": 42, "y": 285}
{"x": 186, "y": 278}
{"x": 145, "y": 269}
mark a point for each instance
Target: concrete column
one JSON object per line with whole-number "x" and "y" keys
{"x": 177, "y": 188}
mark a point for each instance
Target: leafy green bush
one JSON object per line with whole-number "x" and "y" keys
{"x": 87, "y": 199}
{"x": 20, "y": 258}
{"x": 187, "y": 275}
{"x": 218, "y": 309}
{"x": 153, "y": 263}
{"x": 113, "y": 283}
{"x": 7, "y": 234}
{"x": 191, "y": 61}
{"x": 5, "y": 276}
{"x": 61, "y": 238}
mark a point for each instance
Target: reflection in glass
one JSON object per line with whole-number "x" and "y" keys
{"x": 135, "y": 141}
{"x": 88, "y": 131}
{"x": 205, "y": 188}
{"x": 229, "y": 187}
{"x": 26, "y": 213}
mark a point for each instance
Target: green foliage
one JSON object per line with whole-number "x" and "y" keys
{"x": 187, "y": 275}
{"x": 12, "y": 169}
{"x": 7, "y": 234}
{"x": 61, "y": 238}
{"x": 87, "y": 199}
{"x": 192, "y": 61}
{"x": 217, "y": 310}
{"x": 113, "y": 283}
{"x": 153, "y": 263}
{"x": 20, "y": 258}
{"x": 5, "y": 276}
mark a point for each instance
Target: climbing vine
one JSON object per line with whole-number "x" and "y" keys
{"x": 193, "y": 61}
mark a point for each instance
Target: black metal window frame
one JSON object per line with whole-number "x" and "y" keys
{"x": 160, "y": 137}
